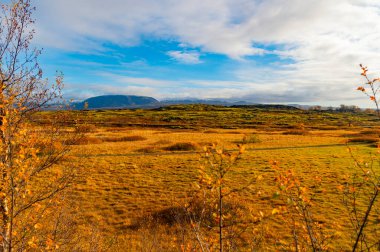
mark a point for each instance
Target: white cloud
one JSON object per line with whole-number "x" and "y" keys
{"x": 185, "y": 57}
{"x": 325, "y": 40}
{"x": 215, "y": 26}
{"x": 229, "y": 27}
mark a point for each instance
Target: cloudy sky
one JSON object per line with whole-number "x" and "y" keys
{"x": 268, "y": 51}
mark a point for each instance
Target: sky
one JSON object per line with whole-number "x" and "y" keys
{"x": 265, "y": 51}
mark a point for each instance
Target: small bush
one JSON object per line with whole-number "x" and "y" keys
{"x": 181, "y": 147}
{"x": 195, "y": 210}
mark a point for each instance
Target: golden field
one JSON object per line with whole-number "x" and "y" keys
{"x": 131, "y": 180}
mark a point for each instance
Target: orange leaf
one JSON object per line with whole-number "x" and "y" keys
{"x": 361, "y": 89}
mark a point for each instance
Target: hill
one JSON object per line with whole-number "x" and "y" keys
{"x": 117, "y": 101}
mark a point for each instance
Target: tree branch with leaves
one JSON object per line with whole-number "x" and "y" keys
{"x": 29, "y": 177}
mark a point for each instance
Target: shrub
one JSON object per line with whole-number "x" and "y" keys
{"x": 181, "y": 147}
{"x": 196, "y": 209}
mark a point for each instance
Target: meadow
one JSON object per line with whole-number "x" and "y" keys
{"x": 137, "y": 171}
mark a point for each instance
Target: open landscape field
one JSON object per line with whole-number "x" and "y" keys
{"x": 189, "y": 125}
{"x": 139, "y": 169}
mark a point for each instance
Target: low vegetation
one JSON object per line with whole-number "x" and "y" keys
{"x": 181, "y": 147}
{"x": 131, "y": 191}
{"x": 182, "y": 177}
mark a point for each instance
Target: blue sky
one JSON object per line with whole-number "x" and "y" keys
{"x": 271, "y": 51}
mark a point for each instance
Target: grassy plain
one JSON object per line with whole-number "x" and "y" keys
{"x": 137, "y": 165}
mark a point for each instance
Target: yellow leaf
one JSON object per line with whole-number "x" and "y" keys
{"x": 275, "y": 211}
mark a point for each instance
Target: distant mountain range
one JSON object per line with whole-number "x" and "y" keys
{"x": 133, "y": 101}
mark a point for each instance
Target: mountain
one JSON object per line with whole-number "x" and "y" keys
{"x": 134, "y": 101}
{"x": 117, "y": 101}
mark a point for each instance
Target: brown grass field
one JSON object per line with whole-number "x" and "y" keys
{"x": 132, "y": 178}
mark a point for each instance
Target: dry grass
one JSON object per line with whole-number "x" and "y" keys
{"x": 373, "y": 131}
{"x": 251, "y": 138}
{"x": 301, "y": 132}
{"x": 149, "y": 149}
{"x": 85, "y": 140}
{"x": 117, "y": 186}
{"x": 210, "y": 132}
{"x": 364, "y": 139}
{"x": 86, "y": 128}
{"x": 162, "y": 142}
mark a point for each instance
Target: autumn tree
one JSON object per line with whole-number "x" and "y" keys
{"x": 307, "y": 232}
{"x": 362, "y": 193}
{"x": 218, "y": 220}
{"x": 29, "y": 178}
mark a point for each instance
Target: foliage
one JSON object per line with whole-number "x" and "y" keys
{"x": 29, "y": 179}
{"x": 307, "y": 231}
{"x": 215, "y": 209}
{"x": 360, "y": 197}
{"x": 361, "y": 193}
